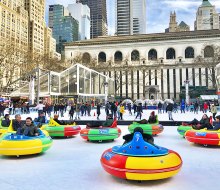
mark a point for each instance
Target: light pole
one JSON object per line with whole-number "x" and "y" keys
{"x": 38, "y": 85}
{"x": 106, "y": 91}
{"x": 186, "y": 82}
{"x": 31, "y": 89}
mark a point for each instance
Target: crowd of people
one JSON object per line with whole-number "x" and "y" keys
{"x": 117, "y": 109}
{"x": 194, "y": 107}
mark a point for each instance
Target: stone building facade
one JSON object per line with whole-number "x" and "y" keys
{"x": 207, "y": 17}
{"x": 152, "y": 65}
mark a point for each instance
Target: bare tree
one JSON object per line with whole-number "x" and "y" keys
{"x": 209, "y": 58}
{"x": 11, "y": 57}
{"x": 16, "y": 62}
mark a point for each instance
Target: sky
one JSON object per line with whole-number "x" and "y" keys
{"x": 158, "y": 12}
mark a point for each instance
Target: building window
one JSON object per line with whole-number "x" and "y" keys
{"x": 118, "y": 56}
{"x": 152, "y": 54}
{"x": 170, "y": 54}
{"x": 86, "y": 58}
{"x": 102, "y": 57}
{"x": 189, "y": 52}
{"x": 208, "y": 51}
{"x": 135, "y": 56}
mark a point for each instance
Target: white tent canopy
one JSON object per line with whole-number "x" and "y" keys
{"x": 209, "y": 97}
{"x": 127, "y": 101}
{"x": 138, "y": 101}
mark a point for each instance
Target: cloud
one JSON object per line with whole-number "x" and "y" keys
{"x": 158, "y": 12}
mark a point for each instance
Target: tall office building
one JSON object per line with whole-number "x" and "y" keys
{"x": 82, "y": 14}
{"x": 131, "y": 17}
{"x": 139, "y": 17}
{"x": 49, "y": 43}
{"x": 13, "y": 22}
{"x": 124, "y": 23}
{"x": 65, "y": 28}
{"x": 207, "y": 18}
{"x": 98, "y": 15}
{"x": 36, "y": 12}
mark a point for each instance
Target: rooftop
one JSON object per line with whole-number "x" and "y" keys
{"x": 147, "y": 37}
{"x": 206, "y": 3}
{"x": 183, "y": 24}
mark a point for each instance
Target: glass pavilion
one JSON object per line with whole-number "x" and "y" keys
{"x": 77, "y": 81}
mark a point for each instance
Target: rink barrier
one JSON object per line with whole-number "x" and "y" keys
{"x": 123, "y": 122}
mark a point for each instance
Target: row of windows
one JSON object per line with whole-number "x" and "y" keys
{"x": 152, "y": 55}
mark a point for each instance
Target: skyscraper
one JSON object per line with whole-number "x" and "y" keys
{"x": 82, "y": 14}
{"x": 65, "y": 28}
{"x": 139, "y": 16}
{"x": 207, "y": 18}
{"x": 124, "y": 24}
{"x": 36, "y": 12}
{"x": 98, "y": 15}
{"x": 131, "y": 17}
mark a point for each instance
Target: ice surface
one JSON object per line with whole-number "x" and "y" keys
{"x": 74, "y": 164}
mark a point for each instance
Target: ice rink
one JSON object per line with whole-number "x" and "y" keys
{"x": 73, "y": 163}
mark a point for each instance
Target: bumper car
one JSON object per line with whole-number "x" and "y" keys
{"x": 151, "y": 129}
{"x": 204, "y": 137}
{"x": 139, "y": 160}
{"x": 186, "y": 127}
{"x": 56, "y": 130}
{"x": 182, "y": 129}
{"x": 12, "y": 144}
{"x": 100, "y": 132}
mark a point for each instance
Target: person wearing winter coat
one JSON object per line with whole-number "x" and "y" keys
{"x": 196, "y": 107}
{"x": 182, "y": 106}
{"x": 139, "y": 111}
{"x": 205, "y": 107}
{"x": 6, "y": 121}
{"x": 213, "y": 110}
{"x": 129, "y": 108}
{"x": 135, "y": 107}
{"x": 122, "y": 111}
{"x": 28, "y": 129}
{"x": 89, "y": 109}
{"x": 71, "y": 112}
{"x": 169, "y": 110}
{"x": 159, "y": 107}
{"x": 203, "y": 123}
{"x": 98, "y": 110}
{"x": 152, "y": 118}
{"x": 164, "y": 107}
{"x": 77, "y": 111}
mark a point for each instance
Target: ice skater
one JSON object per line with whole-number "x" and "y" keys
{"x": 169, "y": 111}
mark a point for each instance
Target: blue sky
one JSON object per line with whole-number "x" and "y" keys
{"x": 158, "y": 12}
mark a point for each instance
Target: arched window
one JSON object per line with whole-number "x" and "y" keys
{"x": 189, "y": 52}
{"x": 152, "y": 54}
{"x": 135, "y": 55}
{"x": 86, "y": 58}
{"x": 118, "y": 56}
{"x": 171, "y": 54}
{"x": 102, "y": 57}
{"x": 208, "y": 51}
